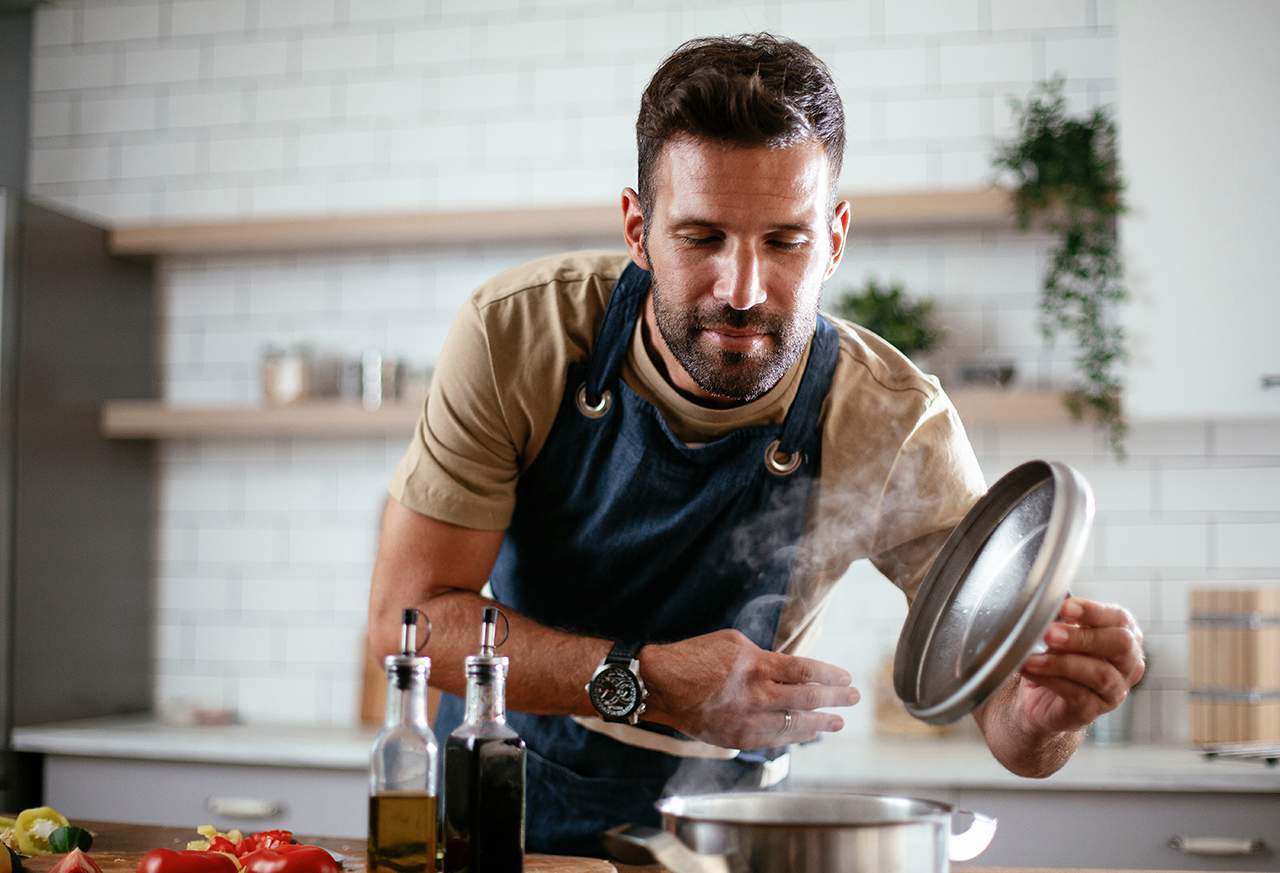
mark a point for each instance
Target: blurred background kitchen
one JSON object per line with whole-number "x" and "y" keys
{"x": 230, "y": 135}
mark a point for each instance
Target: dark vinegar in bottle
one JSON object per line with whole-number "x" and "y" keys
{"x": 484, "y": 813}
{"x": 484, "y": 772}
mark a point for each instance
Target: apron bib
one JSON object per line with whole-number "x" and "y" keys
{"x": 621, "y": 531}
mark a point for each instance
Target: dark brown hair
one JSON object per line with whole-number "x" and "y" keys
{"x": 747, "y": 90}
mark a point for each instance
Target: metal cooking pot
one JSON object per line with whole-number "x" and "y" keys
{"x": 804, "y": 832}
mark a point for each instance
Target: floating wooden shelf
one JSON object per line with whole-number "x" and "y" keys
{"x": 970, "y": 208}
{"x": 153, "y": 419}
{"x": 995, "y": 406}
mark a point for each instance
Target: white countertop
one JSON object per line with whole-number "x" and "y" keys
{"x": 966, "y": 764}
{"x": 330, "y": 747}
{"x": 836, "y": 761}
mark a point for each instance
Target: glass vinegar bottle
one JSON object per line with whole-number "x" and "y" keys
{"x": 484, "y": 772}
{"x": 403, "y": 793}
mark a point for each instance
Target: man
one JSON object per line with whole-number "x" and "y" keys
{"x": 662, "y": 462}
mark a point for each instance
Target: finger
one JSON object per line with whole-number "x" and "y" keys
{"x": 794, "y": 670}
{"x": 1106, "y": 642}
{"x": 1115, "y": 644}
{"x": 811, "y": 697}
{"x": 1089, "y": 613}
{"x": 1100, "y": 677}
{"x": 801, "y": 727}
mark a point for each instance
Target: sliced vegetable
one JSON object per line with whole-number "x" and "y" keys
{"x": 76, "y": 861}
{"x": 9, "y": 861}
{"x": 263, "y": 840}
{"x": 188, "y": 861}
{"x": 290, "y": 859}
{"x": 34, "y": 826}
{"x": 235, "y": 843}
{"x": 66, "y": 839}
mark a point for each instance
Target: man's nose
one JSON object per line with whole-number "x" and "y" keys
{"x": 740, "y": 285}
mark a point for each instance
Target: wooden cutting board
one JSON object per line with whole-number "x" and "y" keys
{"x": 127, "y": 862}
{"x": 117, "y": 848}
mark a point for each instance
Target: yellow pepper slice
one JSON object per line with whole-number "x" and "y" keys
{"x": 34, "y": 826}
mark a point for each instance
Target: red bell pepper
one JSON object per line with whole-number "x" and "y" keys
{"x": 250, "y": 843}
{"x": 263, "y": 840}
{"x": 289, "y": 859}
{"x": 186, "y": 861}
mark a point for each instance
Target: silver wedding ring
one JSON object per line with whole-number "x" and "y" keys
{"x": 786, "y": 721}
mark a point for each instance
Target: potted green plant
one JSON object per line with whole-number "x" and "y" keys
{"x": 1067, "y": 179}
{"x": 907, "y": 324}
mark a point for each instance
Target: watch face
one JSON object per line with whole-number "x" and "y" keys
{"x": 614, "y": 691}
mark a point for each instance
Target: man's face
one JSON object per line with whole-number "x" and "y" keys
{"x": 738, "y": 244}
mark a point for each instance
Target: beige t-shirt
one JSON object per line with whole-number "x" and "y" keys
{"x": 897, "y": 472}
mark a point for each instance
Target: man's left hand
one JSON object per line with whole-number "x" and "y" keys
{"x": 1034, "y": 722}
{"x": 1094, "y": 658}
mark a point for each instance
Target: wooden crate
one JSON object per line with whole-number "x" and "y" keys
{"x": 1233, "y": 668}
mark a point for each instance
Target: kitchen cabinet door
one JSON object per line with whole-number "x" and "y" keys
{"x": 1197, "y": 125}
{"x": 1124, "y": 829}
{"x": 188, "y": 794}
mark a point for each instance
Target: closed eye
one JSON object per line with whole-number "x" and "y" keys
{"x": 788, "y": 243}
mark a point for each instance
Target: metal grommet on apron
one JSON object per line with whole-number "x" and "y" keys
{"x": 780, "y": 463}
{"x": 597, "y": 409}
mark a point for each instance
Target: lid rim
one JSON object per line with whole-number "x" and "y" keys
{"x": 1032, "y": 610}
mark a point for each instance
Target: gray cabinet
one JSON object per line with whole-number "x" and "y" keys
{"x": 76, "y": 509}
{"x": 1124, "y": 829}
{"x": 306, "y": 800}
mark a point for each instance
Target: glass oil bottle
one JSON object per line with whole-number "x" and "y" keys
{"x": 484, "y": 771}
{"x": 403, "y": 810}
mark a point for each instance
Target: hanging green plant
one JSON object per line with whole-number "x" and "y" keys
{"x": 1068, "y": 180}
{"x": 907, "y": 324}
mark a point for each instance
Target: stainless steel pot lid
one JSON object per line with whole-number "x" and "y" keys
{"x": 993, "y": 590}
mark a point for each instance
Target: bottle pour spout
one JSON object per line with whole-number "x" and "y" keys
{"x": 409, "y": 633}
{"x": 488, "y": 630}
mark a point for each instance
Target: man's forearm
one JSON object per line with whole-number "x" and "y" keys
{"x": 439, "y": 569}
{"x": 549, "y": 668}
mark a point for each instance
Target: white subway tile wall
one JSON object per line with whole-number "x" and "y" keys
{"x": 219, "y": 108}
{"x": 155, "y": 110}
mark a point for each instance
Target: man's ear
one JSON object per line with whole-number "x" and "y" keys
{"x": 839, "y": 235}
{"x": 633, "y": 227}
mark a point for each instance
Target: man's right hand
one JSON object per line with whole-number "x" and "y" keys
{"x": 723, "y": 689}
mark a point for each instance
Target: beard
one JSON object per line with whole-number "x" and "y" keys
{"x": 735, "y": 375}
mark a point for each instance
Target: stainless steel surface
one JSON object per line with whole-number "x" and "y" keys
{"x": 814, "y": 832}
{"x": 993, "y": 590}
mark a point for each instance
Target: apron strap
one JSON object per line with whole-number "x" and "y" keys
{"x": 615, "y": 331}
{"x": 806, "y": 408}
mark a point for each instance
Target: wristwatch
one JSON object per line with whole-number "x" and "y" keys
{"x": 615, "y": 688}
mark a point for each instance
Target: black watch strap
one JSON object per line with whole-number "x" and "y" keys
{"x": 623, "y": 653}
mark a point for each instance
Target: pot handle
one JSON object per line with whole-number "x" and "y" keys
{"x": 639, "y": 845}
{"x": 970, "y": 842}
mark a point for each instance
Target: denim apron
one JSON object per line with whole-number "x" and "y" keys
{"x": 621, "y": 531}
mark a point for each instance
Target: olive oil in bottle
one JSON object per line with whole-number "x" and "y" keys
{"x": 484, "y": 772}
{"x": 402, "y": 772}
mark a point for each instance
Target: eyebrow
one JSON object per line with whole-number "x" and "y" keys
{"x": 711, "y": 225}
